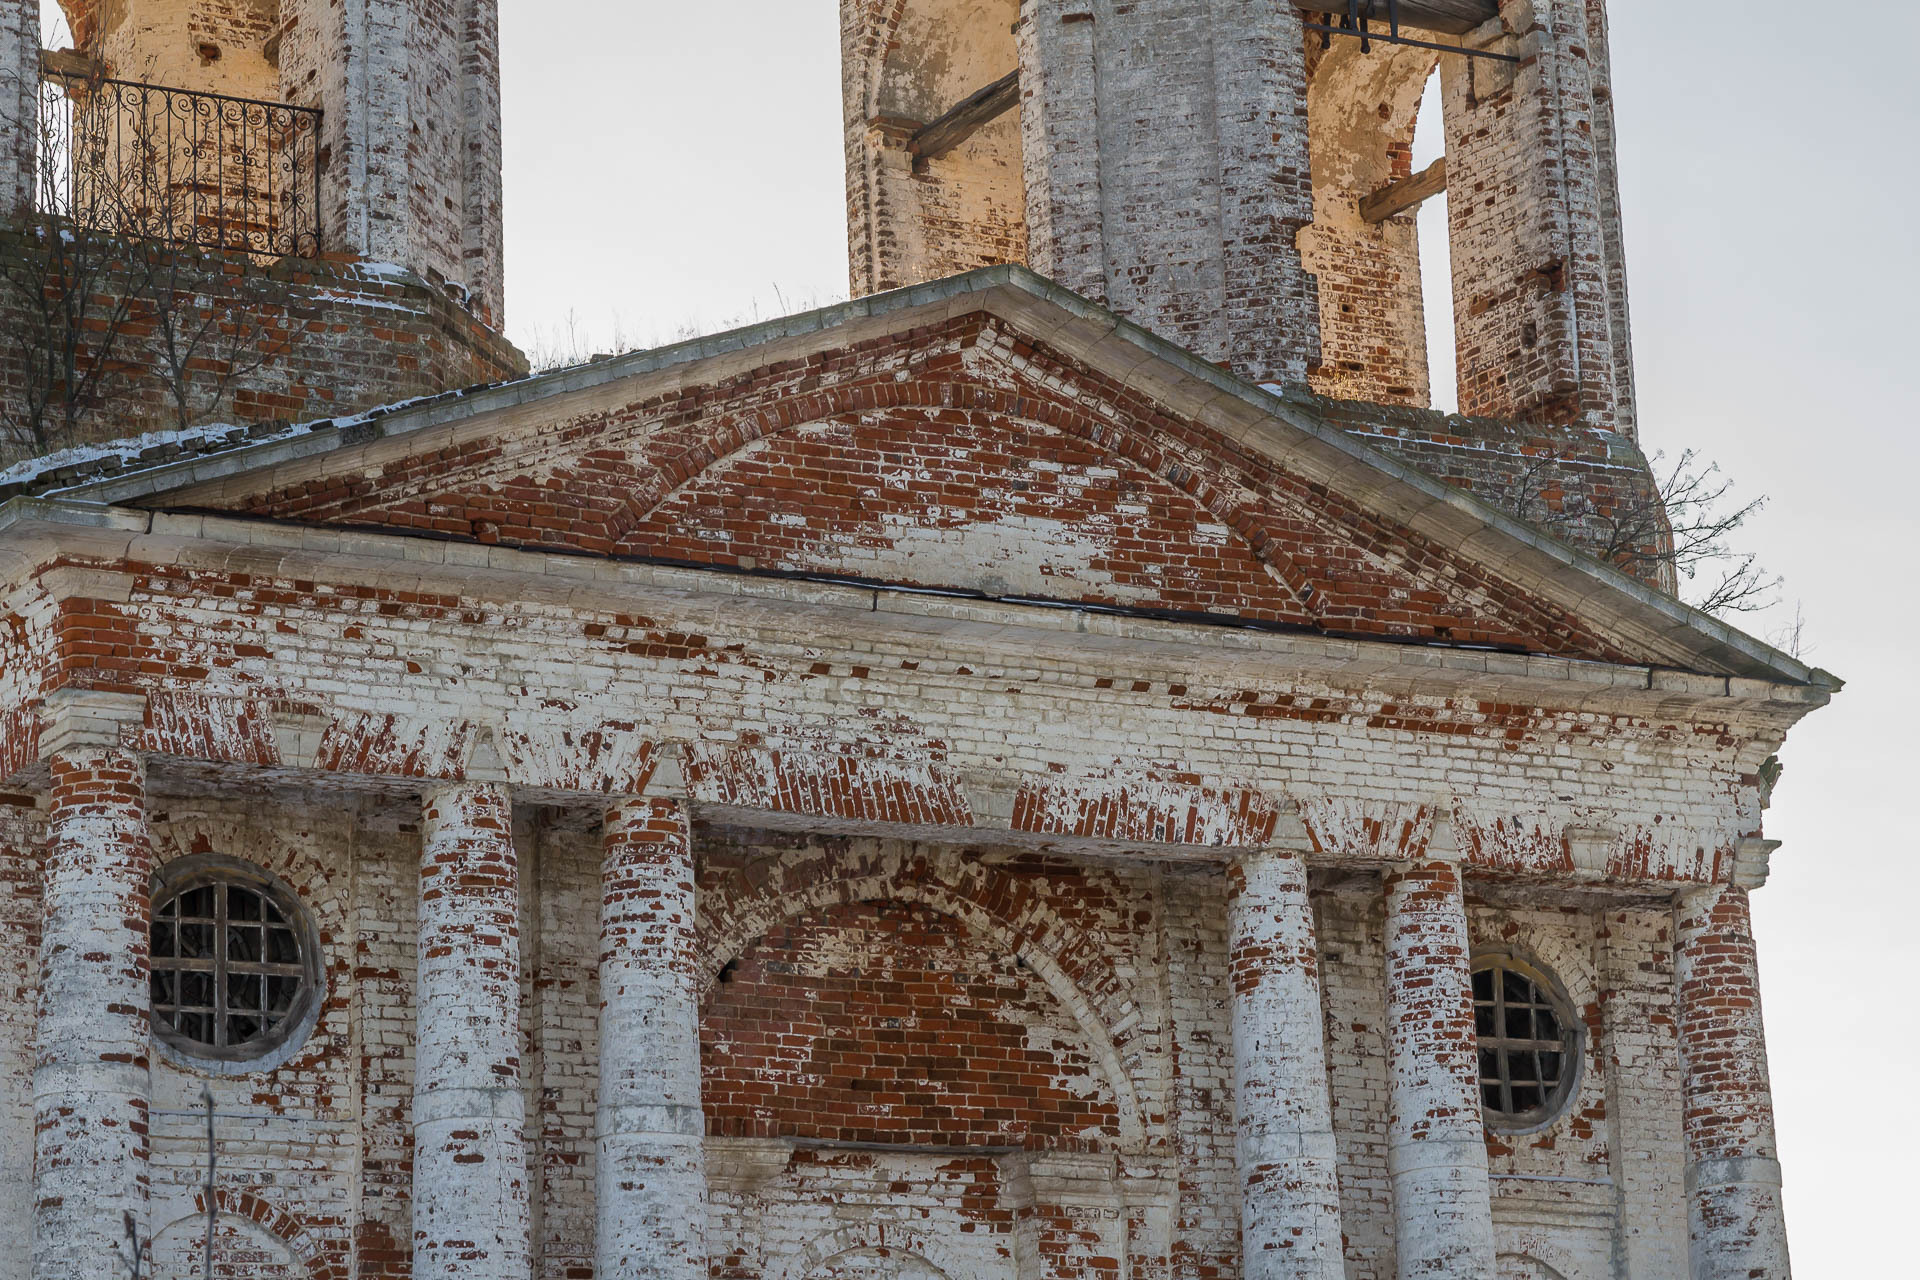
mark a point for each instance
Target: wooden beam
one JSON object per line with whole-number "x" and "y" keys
{"x": 1405, "y": 193}
{"x": 68, "y": 64}
{"x": 976, "y": 112}
{"x": 1455, "y": 17}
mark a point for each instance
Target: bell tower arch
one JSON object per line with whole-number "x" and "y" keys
{"x": 1227, "y": 175}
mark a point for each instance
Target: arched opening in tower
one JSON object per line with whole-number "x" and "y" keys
{"x": 937, "y": 116}
{"x": 1436, "y": 253}
{"x": 1364, "y": 109}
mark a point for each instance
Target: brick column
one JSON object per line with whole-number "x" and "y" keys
{"x": 1736, "y": 1222}
{"x": 470, "y": 1217}
{"x": 90, "y": 1068}
{"x": 1289, "y": 1184}
{"x": 650, "y": 1171}
{"x": 1437, "y": 1155}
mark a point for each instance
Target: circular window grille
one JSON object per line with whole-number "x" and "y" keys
{"x": 235, "y": 961}
{"x": 1529, "y": 1044}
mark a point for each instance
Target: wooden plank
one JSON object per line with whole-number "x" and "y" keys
{"x": 70, "y": 65}
{"x": 1404, "y": 194}
{"x": 1455, "y": 17}
{"x": 979, "y": 109}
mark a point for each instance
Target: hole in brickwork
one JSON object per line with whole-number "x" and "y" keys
{"x": 1529, "y": 1044}
{"x": 234, "y": 960}
{"x": 889, "y": 1023}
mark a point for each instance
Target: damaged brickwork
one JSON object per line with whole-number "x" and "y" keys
{"x": 406, "y": 296}
{"x": 329, "y": 338}
{"x": 949, "y": 787}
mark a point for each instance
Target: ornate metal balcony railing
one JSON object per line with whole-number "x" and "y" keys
{"x": 197, "y": 169}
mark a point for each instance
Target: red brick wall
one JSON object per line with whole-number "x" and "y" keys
{"x": 596, "y": 483}
{"x": 887, "y": 1022}
{"x": 339, "y": 337}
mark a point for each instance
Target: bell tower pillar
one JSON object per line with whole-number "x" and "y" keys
{"x": 1226, "y": 175}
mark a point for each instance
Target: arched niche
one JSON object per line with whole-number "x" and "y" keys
{"x": 891, "y": 1022}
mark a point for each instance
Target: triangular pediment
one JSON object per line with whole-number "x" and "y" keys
{"x": 988, "y": 435}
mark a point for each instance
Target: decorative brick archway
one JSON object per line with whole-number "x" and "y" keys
{"x": 988, "y": 902}
{"x": 872, "y": 1237}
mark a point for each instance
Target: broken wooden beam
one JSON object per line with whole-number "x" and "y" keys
{"x": 1405, "y": 193}
{"x": 1455, "y": 17}
{"x": 978, "y": 110}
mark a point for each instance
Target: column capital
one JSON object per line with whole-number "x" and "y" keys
{"x": 88, "y": 719}
{"x": 1443, "y": 843}
{"x": 1753, "y": 861}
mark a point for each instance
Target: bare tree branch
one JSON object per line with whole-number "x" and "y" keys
{"x": 1685, "y": 526}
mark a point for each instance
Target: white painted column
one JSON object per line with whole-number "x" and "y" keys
{"x": 19, "y": 104}
{"x": 1289, "y": 1182}
{"x": 1736, "y": 1222}
{"x": 470, "y": 1216}
{"x": 1436, "y": 1152}
{"x": 650, "y": 1173}
{"x": 90, "y": 1070}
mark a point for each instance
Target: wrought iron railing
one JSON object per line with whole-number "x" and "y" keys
{"x": 198, "y": 169}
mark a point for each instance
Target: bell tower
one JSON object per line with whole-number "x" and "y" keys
{"x": 1239, "y": 180}
{"x": 407, "y": 150}
{"x": 302, "y": 196}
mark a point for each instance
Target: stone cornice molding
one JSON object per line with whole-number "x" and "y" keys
{"x": 82, "y": 719}
{"x": 775, "y": 610}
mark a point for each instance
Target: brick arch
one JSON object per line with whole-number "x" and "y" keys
{"x": 966, "y": 499}
{"x": 1015, "y": 407}
{"x": 1361, "y": 112}
{"x": 993, "y": 905}
{"x": 83, "y": 20}
{"x": 871, "y": 1237}
{"x": 261, "y": 1219}
{"x": 1524, "y": 1266}
{"x": 894, "y": 23}
{"x": 1260, "y": 504}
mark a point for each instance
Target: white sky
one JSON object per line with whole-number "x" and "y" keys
{"x": 674, "y": 166}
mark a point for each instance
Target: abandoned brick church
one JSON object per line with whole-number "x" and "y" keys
{"x": 1061, "y": 767}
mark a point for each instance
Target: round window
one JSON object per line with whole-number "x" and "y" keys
{"x": 235, "y": 962}
{"x": 1529, "y": 1044}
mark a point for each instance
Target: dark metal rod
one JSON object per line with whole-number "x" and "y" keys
{"x": 1409, "y": 40}
{"x": 193, "y": 93}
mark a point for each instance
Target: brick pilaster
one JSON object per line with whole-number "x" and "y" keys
{"x": 1437, "y": 1155}
{"x": 1642, "y": 1071}
{"x": 650, "y": 1171}
{"x": 470, "y": 1216}
{"x": 1736, "y": 1223}
{"x": 1289, "y": 1183}
{"x": 90, "y": 1070}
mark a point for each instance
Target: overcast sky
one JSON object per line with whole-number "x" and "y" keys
{"x": 674, "y": 167}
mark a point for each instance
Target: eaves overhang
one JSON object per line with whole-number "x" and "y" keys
{"x": 1670, "y": 633}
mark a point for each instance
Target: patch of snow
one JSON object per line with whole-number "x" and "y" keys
{"x": 362, "y": 300}
{"x": 80, "y": 455}
{"x": 383, "y": 270}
